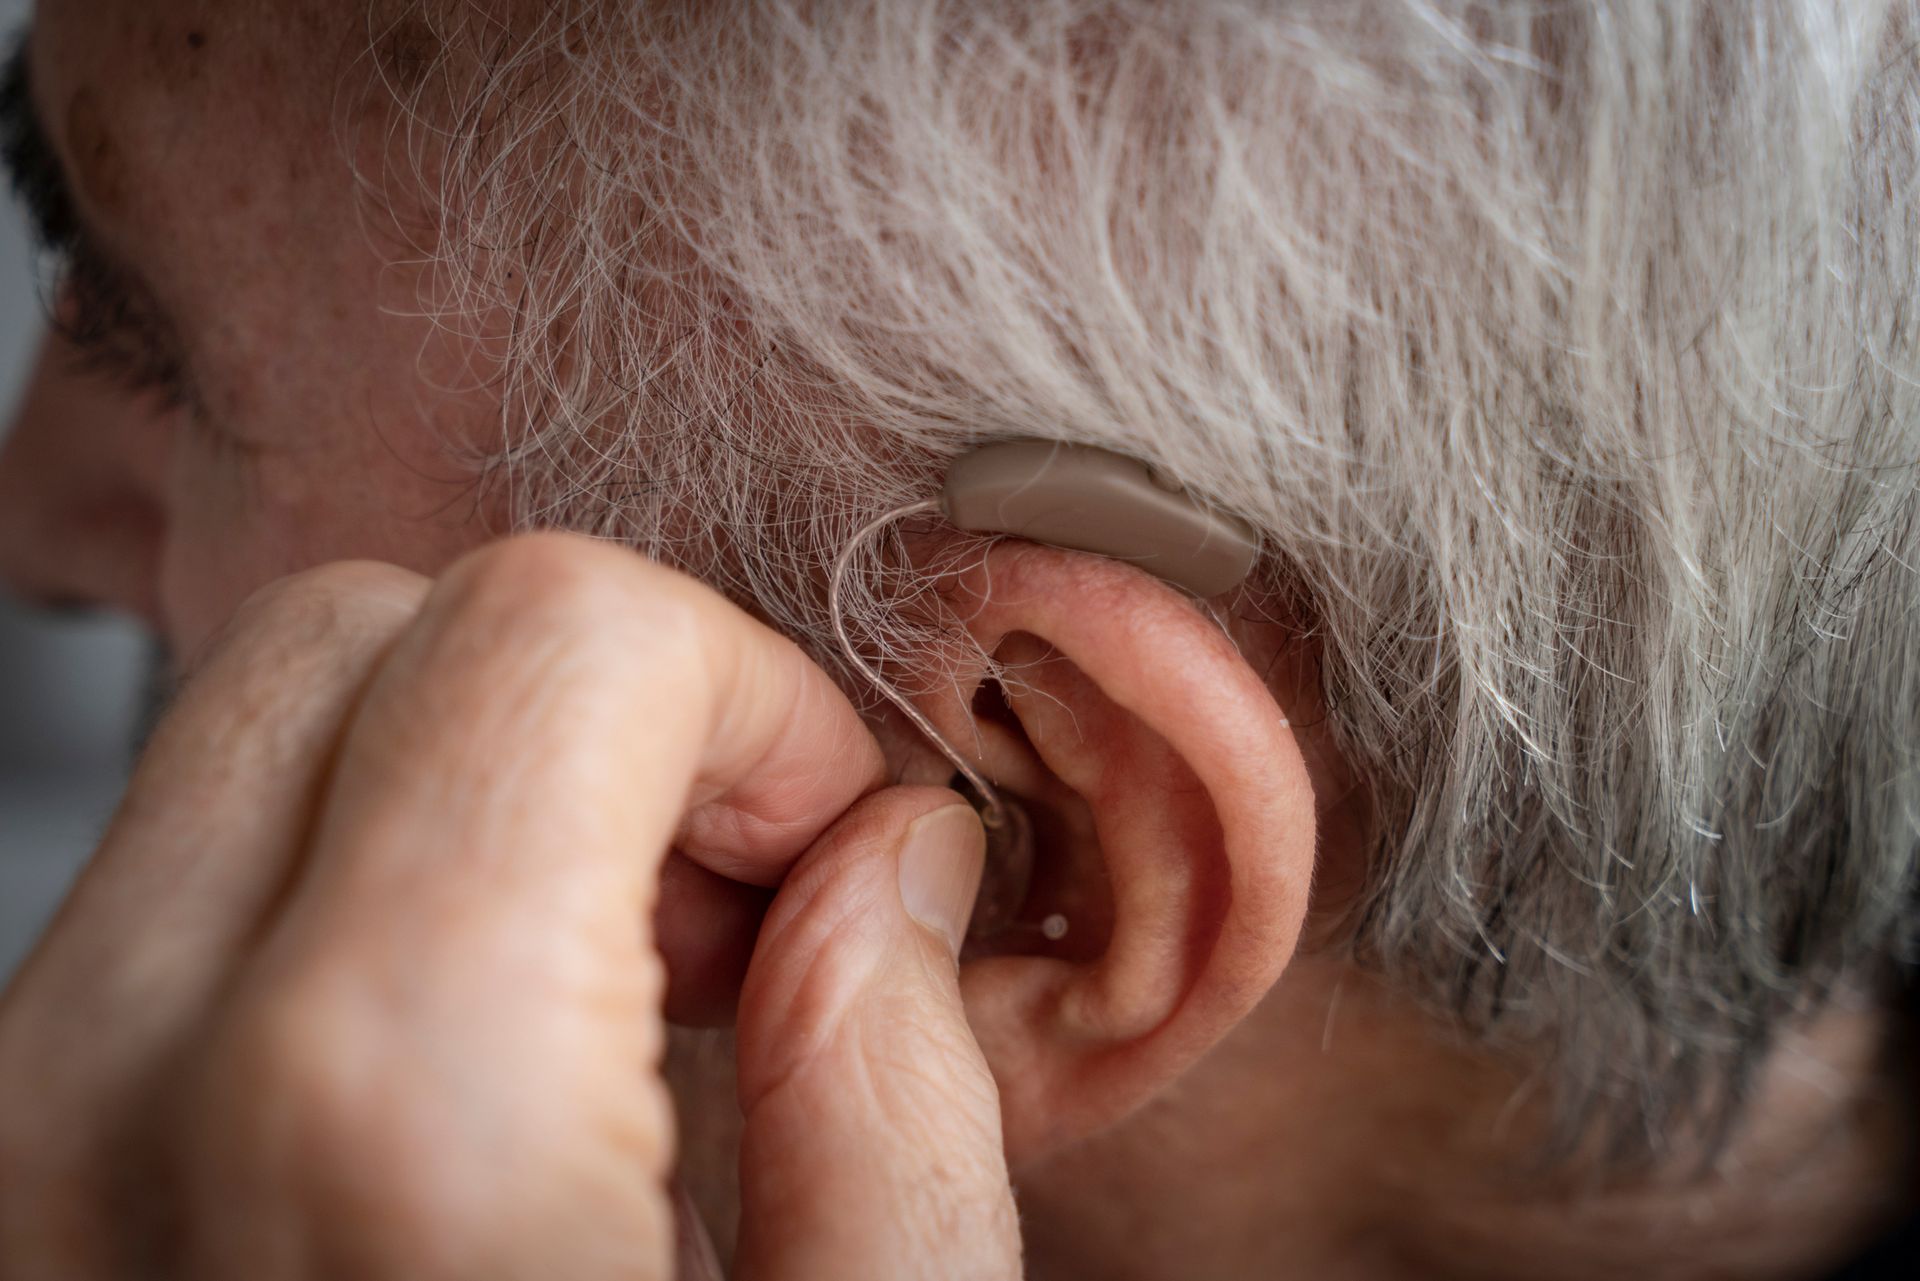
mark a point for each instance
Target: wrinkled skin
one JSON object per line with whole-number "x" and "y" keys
{"x": 264, "y": 997}
{"x": 263, "y": 990}
{"x": 398, "y": 1012}
{"x": 314, "y": 427}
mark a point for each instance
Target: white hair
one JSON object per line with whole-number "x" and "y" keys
{"x": 1561, "y": 350}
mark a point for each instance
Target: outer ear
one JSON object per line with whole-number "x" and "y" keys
{"x": 1175, "y": 826}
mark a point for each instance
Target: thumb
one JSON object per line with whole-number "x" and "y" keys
{"x": 872, "y": 1144}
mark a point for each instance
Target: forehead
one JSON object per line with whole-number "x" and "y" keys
{"x": 134, "y": 92}
{"x": 194, "y": 47}
{"x": 209, "y": 147}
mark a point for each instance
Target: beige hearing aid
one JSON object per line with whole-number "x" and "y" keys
{"x": 1090, "y": 500}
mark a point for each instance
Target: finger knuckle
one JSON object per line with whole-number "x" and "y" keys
{"x": 316, "y": 607}
{"x": 322, "y": 589}
{"x": 574, "y": 586}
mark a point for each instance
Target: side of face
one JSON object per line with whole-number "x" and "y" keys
{"x": 320, "y": 415}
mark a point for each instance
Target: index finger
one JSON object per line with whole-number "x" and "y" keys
{"x": 563, "y": 701}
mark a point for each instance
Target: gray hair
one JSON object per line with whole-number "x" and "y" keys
{"x": 1560, "y": 350}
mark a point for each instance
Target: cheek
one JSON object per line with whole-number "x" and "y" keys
{"x": 239, "y": 522}
{"x": 352, "y": 450}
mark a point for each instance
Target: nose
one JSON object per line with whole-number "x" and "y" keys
{"x": 82, "y": 492}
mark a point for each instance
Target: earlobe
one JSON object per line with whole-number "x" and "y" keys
{"x": 1175, "y": 828}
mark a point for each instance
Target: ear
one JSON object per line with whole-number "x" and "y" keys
{"x": 1174, "y": 828}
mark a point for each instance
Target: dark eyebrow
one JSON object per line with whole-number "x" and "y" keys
{"x": 32, "y": 165}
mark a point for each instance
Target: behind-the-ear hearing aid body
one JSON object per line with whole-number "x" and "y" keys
{"x": 1090, "y": 500}
{"x": 1084, "y": 499}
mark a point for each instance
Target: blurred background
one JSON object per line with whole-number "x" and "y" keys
{"x": 70, "y": 688}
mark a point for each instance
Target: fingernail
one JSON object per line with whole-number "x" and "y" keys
{"x": 940, "y": 866}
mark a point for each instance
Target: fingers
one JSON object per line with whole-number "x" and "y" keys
{"x": 435, "y": 820}
{"x": 530, "y": 748}
{"x": 204, "y": 839}
{"x": 558, "y": 688}
{"x": 221, "y": 797}
{"x": 872, "y": 1144}
{"x": 466, "y": 967}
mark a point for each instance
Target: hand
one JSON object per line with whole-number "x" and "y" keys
{"x": 365, "y": 979}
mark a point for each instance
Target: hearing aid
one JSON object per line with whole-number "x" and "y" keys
{"x": 1089, "y": 500}
{"x": 1077, "y": 497}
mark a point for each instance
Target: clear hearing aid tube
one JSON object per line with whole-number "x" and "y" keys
{"x": 993, "y": 811}
{"x": 1009, "y": 863}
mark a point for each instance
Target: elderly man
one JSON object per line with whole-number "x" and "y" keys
{"x": 1511, "y": 877}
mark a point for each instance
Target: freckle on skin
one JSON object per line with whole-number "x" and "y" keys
{"x": 100, "y": 169}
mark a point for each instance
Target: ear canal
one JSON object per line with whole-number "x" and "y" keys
{"x": 1018, "y": 908}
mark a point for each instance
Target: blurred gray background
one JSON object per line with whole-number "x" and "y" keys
{"x": 69, "y": 688}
